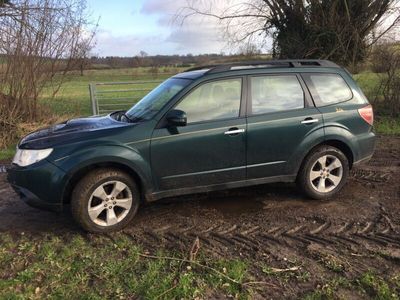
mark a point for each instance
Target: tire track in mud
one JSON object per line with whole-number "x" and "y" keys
{"x": 371, "y": 175}
{"x": 235, "y": 239}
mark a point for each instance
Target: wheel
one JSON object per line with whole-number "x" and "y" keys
{"x": 105, "y": 200}
{"x": 323, "y": 173}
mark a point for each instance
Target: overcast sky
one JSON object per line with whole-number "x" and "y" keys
{"x": 128, "y": 26}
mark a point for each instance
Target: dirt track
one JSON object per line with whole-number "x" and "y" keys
{"x": 269, "y": 225}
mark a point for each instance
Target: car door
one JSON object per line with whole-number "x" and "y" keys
{"x": 280, "y": 116}
{"x": 210, "y": 149}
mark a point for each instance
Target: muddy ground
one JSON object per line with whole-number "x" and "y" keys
{"x": 270, "y": 226}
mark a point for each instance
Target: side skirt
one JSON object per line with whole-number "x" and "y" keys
{"x": 215, "y": 187}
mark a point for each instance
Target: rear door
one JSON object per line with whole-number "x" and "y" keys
{"x": 280, "y": 116}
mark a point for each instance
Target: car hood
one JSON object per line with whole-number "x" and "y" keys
{"x": 71, "y": 130}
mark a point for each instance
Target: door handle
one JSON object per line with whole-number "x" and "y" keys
{"x": 233, "y": 131}
{"x": 309, "y": 121}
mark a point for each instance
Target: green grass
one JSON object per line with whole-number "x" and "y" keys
{"x": 369, "y": 83}
{"x": 74, "y": 97}
{"x": 385, "y": 125}
{"x": 7, "y": 153}
{"x": 105, "y": 269}
{"x": 376, "y": 287}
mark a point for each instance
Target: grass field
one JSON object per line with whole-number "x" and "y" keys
{"x": 74, "y": 97}
{"x": 105, "y": 268}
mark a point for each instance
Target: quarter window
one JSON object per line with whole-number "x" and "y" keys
{"x": 276, "y": 93}
{"x": 213, "y": 101}
{"x": 328, "y": 88}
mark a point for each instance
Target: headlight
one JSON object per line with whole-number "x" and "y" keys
{"x": 25, "y": 158}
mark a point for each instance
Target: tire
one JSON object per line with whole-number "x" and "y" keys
{"x": 110, "y": 194}
{"x": 320, "y": 181}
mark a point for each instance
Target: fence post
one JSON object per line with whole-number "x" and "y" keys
{"x": 93, "y": 99}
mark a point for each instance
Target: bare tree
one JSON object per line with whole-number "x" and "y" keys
{"x": 40, "y": 41}
{"x": 386, "y": 61}
{"x": 340, "y": 30}
{"x": 249, "y": 50}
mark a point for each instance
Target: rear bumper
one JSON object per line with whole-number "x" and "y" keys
{"x": 365, "y": 147}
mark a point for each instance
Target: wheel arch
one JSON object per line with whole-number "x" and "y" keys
{"x": 77, "y": 175}
{"x": 339, "y": 144}
{"x": 344, "y": 147}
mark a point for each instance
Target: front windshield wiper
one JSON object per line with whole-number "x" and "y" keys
{"x": 127, "y": 117}
{"x": 121, "y": 116}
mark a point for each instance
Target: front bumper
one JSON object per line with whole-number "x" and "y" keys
{"x": 39, "y": 185}
{"x": 32, "y": 200}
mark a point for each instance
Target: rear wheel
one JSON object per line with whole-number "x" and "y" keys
{"x": 324, "y": 172}
{"x": 105, "y": 200}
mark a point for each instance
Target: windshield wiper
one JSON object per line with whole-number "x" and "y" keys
{"x": 127, "y": 117}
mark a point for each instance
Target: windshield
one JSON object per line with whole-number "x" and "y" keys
{"x": 151, "y": 104}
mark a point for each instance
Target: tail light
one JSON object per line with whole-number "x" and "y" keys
{"x": 367, "y": 114}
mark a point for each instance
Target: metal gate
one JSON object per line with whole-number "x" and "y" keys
{"x": 107, "y": 97}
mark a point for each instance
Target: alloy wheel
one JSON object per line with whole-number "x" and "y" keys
{"x": 110, "y": 203}
{"x": 326, "y": 173}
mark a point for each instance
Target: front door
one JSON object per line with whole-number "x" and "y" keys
{"x": 280, "y": 118}
{"x": 210, "y": 149}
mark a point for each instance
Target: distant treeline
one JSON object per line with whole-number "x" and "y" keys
{"x": 165, "y": 60}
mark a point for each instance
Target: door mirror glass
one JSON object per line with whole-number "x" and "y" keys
{"x": 176, "y": 117}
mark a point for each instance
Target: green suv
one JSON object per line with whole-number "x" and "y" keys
{"x": 209, "y": 128}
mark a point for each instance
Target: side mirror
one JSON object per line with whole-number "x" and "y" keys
{"x": 176, "y": 117}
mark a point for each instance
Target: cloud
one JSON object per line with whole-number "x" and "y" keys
{"x": 195, "y": 35}
{"x": 109, "y": 44}
{"x": 158, "y": 31}
{"x": 162, "y": 6}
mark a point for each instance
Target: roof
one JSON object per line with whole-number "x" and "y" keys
{"x": 286, "y": 63}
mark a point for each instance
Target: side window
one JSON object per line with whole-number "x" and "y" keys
{"x": 213, "y": 101}
{"x": 276, "y": 93}
{"x": 328, "y": 88}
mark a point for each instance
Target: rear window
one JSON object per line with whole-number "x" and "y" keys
{"x": 328, "y": 89}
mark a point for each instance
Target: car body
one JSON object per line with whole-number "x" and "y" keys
{"x": 219, "y": 127}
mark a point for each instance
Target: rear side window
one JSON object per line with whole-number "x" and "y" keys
{"x": 328, "y": 89}
{"x": 275, "y": 93}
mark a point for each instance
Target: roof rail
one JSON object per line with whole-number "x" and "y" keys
{"x": 284, "y": 63}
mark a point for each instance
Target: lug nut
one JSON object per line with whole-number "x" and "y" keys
{"x": 105, "y": 205}
{"x": 112, "y": 198}
{"x": 114, "y": 202}
{"x": 110, "y": 207}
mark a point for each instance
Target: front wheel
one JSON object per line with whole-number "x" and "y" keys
{"x": 105, "y": 200}
{"x": 324, "y": 172}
